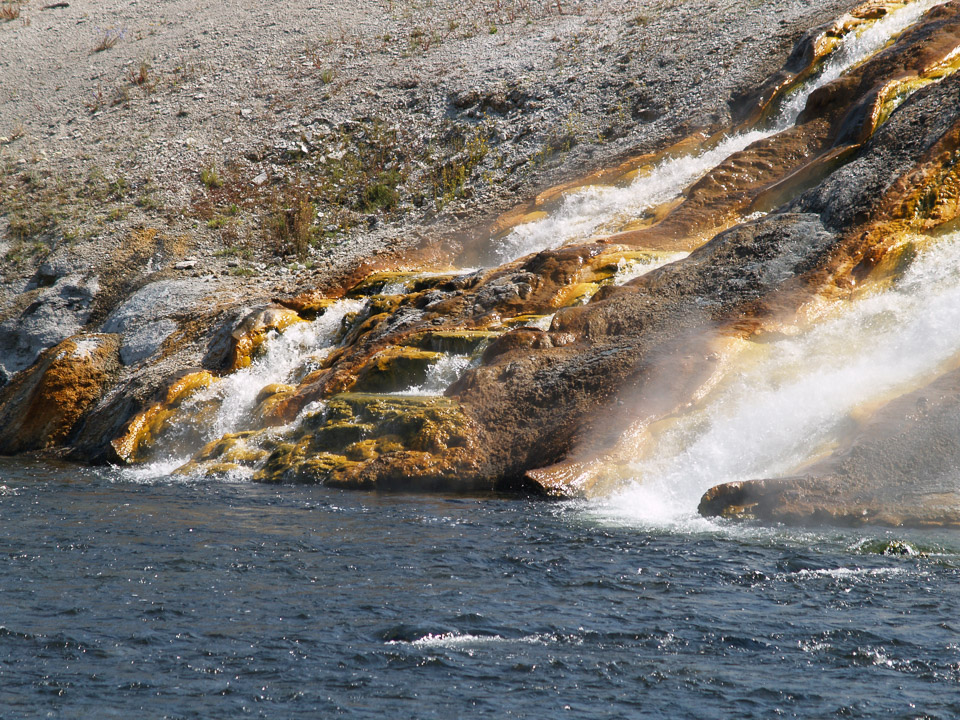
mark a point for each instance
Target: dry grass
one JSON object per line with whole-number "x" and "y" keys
{"x": 211, "y": 177}
{"x": 291, "y": 226}
{"x": 140, "y": 75}
{"x": 108, "y": 39}
{"x": 9, "y": 11}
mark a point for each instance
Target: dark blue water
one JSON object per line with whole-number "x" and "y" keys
{"x": 233, "y": 600}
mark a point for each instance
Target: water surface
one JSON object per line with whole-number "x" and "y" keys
{"x": 210, "y": 600}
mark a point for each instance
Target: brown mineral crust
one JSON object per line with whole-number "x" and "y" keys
{"x": 921, "y": 197}
{"x": 539, "y": 394}
{"x": 534, "y": 286}
{"x": 43, "y": 405}
{"x": 762, "y": 271}
{"x": 456, "y": 469}
{"x": 650, "y": 344}
{"x": 636, "y": 353}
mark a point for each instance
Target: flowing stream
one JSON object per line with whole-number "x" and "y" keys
{"x": 598, "y": 209}
{"x": 856, "y": 354}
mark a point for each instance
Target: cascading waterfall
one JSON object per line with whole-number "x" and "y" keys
{"x": 286, "y": 358}
{"x": 780, "y": 411}
{"x": 584, "y": 212}
{"x": 627, "y": 271}
{"x": 856, "y": 48}
{"x": 440, "y": 375}
{"x": 595, "y": 209}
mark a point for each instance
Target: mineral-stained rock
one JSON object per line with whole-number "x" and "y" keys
{"x": 253, "y": 331}
{"x": 145, "y": 319}
{"x": 227, "y": 454}
{"x": 397, "y": 282}
{"x": 457, "y": 342}
{"x": 43, "y": 404}
{"x": 395, "y": 368}
{"x": 137, "y": 442}
{"x": 307, "y": 305}
{"x": 571, "y": 365}
{"x": 839, "y": 117}
{"x": 755, "y": 274}
{"x": 815, "y": 45}
{"x": 382, "y": 441}
{"x": 54, "y": 314}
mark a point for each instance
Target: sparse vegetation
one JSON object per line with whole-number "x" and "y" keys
{"x": 358, "y": 172}
{"x": 108, "y": 38}
{"x": 382, "y": 193}
{"x": 236, "y": 251}
{"x": 97, "y": 100}
{"x": 210, "y": 177}
{"x": 140, "y": 75}
{"x": 291, "y": 226}
{"x": 148, "y": 201}
{"x": 43, "y": 208}
{"x": 451, "y": 176}
{"x": 9, "y": 11}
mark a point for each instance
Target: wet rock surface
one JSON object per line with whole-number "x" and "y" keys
{"x": 53, "y": 314}
{"x": 41, "y": 407}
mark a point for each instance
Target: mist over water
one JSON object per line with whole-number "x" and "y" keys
{"x": 788, "y": 398}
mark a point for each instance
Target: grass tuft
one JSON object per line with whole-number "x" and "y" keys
{"x": 9, "y": 11}
{"x": 210, "y": 177}
{"x": 140, "y": 75}
{"x": 108, "y": 39}
{"x": 292, "y": 227}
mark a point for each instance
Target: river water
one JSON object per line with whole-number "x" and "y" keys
{"x": 221, "y": 600}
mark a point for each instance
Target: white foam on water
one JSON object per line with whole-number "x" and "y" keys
{"x": 857, "y": 47}
{"x": 844, "y": 573}
{"x": 775, "y": 414}
{"x": 585, "y": 212}
{"x": 455, "y": 641}
{"x": 627, "y": 271}
{"x": 298, "y": 348}
{"x": 394, "y": 288}
{"x": 541, "y": 323}
{"x": 440, "y": 375}
{"x": 150, "y": 473}
{"x": 286, "y": 357}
